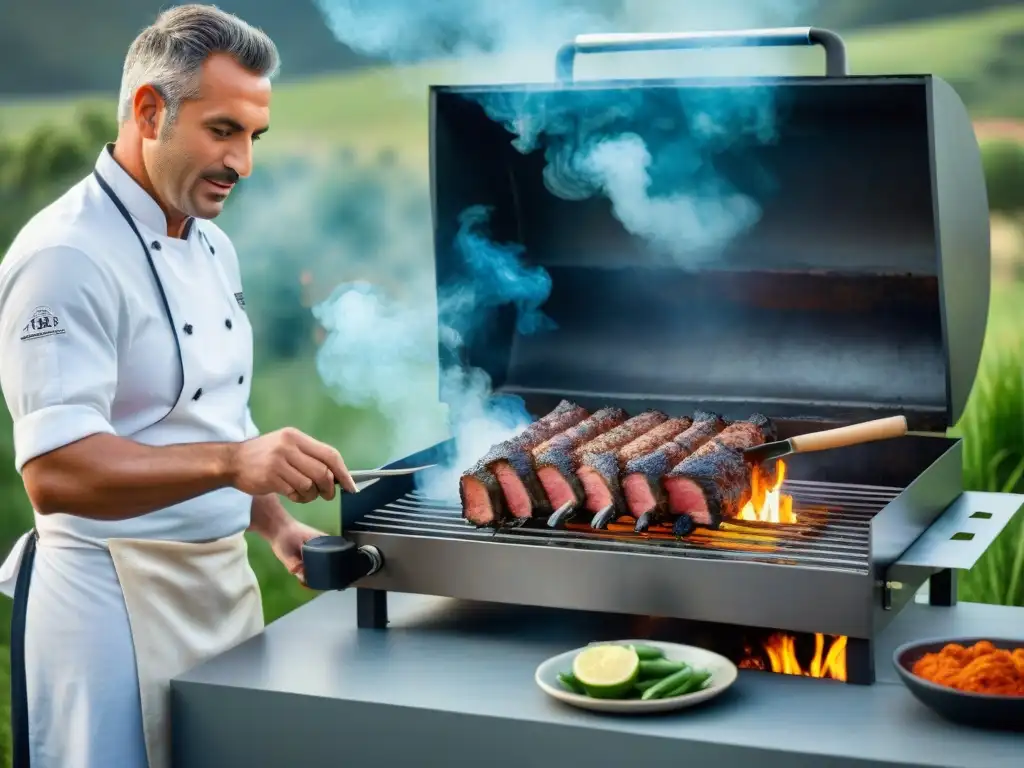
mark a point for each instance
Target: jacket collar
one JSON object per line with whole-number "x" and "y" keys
{"x": 135, "y": 199}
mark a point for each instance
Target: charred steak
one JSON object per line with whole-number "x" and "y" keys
{"x": 605, "y": 444}
{"x": 600, "y": 473}
{"x": 641, "y": 482}
{"x": 714, "y": 482}
{"x": 555, "y": 461}
{"x": 504, "y": 476}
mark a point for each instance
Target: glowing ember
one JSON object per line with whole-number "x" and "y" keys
{"x": 780, "y": 650}
{"x": 768, "y": 504}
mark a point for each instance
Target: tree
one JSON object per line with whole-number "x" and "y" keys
{"x": 41, "y": 167}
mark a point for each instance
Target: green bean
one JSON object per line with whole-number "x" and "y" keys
{"x": 667, "y": 684}
{"x": 694, "y": 683}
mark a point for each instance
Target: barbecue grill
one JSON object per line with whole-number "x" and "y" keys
{"x": 861, "y": 291}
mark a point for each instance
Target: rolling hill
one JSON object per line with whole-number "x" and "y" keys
{"x": 66, "y": 46}
{"x": 85, "y": 50}
{"x": 981, "y": 54}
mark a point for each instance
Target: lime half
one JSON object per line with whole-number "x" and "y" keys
{"x": 607, "y": 671}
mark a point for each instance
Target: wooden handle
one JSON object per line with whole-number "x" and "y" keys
{"x": 879, "y": 429}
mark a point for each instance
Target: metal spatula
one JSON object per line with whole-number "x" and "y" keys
{"x": 854, "y": 434}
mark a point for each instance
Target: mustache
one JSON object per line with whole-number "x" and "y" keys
{"x": 227, "y": 176}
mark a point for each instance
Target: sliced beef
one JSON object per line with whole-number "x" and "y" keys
{"x": 600, "y": 473}
{"x": 621, "y": 435}
{"x": 605, "y": 444}
{"x": 641, "y": 481}
{"x": 504, "y": 476}
{"x": 554, "y": 460}
{"x": 482, "y": 502}
{"x": 511, "y": 461}
{"x": 714, "y": 483}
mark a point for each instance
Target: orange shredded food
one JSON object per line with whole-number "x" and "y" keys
{"x": 982, "y": 668}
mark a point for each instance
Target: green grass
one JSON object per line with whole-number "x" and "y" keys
{"x": 957, "y": 48}
{"x": 386, "y": 108}
{"x": 972, "y": 52}
{"x": 993, "y": 432}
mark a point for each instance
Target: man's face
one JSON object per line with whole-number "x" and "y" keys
{"x": 194, "y": 162}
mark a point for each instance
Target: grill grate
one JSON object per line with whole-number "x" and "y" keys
{"x": 832, "y": 529}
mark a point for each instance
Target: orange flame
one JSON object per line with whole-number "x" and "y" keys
{"x": 782, "y": 659}
{"x": 767, "y": 502}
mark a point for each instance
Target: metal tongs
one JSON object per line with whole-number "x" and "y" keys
{"x": 372, "y": 475}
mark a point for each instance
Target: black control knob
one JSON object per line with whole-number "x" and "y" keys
{"x": 334, "y": 562}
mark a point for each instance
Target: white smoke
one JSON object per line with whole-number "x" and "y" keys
{"x": 377, "y": 349}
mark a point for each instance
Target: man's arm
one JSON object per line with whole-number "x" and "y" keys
{"x": 111, "y": 478}
{"x": 60, "y": 320}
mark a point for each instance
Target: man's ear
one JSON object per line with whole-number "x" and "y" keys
{"x": 147, "y": 108}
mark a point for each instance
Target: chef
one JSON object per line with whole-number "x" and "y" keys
{"x": 126, "y": 361}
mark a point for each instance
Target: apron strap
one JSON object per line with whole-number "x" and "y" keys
{"x": 19, "y": 690}
{"x": 156, "y": 277}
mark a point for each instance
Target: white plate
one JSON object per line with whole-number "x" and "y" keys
{"x": 723, "y": 674}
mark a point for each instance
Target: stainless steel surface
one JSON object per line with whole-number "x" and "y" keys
{"x": 937, "y": 485}
{"x": 835, "y": 49}
{"x": 963, "y": 532}
{"x": 375, "y": 558}
{"x": 814, "y": 576}
{"x": 451, "y": 680}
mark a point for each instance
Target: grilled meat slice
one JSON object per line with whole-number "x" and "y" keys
{"x": 504, "y": 476}
{"x": 482, "y": 502}
{"x": 511, "y": 461}
{"x": 600, "y": 473}
{"x": 641, "y": 483}
{"x": 621, "y": 435}
{"x": 604, "y": 444}
{"x": 554, "y": 458}
{"x": 713, "y": 483}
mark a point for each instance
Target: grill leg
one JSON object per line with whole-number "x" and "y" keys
{"x": 942, "y": 588}
{"x": 371, "y": 608}
{"x": 860, "y": 661}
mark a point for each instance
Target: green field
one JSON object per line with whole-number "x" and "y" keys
{"x": 386, "y": 108}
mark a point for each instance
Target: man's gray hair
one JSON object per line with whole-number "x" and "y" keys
{"x": 169, "y": 54}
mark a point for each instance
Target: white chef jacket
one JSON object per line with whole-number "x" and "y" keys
{"x": 96, "y": 339}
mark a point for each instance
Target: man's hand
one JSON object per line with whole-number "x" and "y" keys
{"x": 290, "y": 463}
{"x": 287, "y": 545}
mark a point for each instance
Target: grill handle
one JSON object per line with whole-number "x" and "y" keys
{"x": 835, "y": 48}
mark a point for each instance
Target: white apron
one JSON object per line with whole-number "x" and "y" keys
{"x": 185, "y": 601}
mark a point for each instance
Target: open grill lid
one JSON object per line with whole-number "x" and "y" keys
{"x": 832, "y": 265}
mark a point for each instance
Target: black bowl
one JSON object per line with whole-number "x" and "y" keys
{"x": 974, "y": 709}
